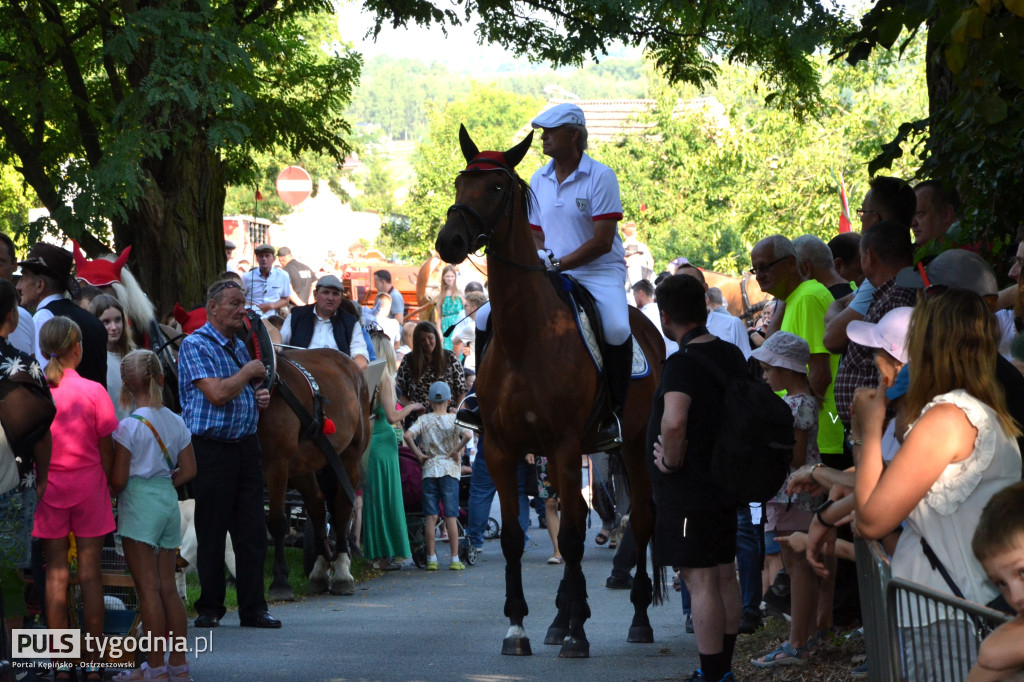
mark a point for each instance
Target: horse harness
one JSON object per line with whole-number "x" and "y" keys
{"x": 502, "y": 210}
{"x": 312, "y": 424}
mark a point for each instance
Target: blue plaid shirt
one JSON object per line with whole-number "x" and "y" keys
{"x": 201, "y": 358}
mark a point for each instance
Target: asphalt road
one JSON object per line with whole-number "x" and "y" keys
{"x": 448, "y": 625}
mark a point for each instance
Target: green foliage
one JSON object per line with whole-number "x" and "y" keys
{"x": 973, "y": 135}
{"x": 392, "y": 94}
{"x": 130, "y": 117}
{"x": 491, "y": 116}
{"x": 716, "y": 185}
{"x": 689, "y": 41}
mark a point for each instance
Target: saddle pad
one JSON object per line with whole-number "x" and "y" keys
{"x": 641, "y": 367}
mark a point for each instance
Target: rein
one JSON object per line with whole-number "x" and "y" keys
{"x": 504, "y": 209}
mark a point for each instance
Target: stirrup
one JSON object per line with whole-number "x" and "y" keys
{"x": 469, "y": 419}
{"x": 609, "y": 436}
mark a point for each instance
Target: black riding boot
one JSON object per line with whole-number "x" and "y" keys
{"x": 619, "y": 366}
{"x": 468, "y": 416}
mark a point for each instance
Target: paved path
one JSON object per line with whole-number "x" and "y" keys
{"x": 448, "y": 625}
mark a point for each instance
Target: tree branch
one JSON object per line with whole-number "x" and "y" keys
{"x": 76, "y": 83}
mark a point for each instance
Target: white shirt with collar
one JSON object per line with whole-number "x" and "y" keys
{"x": 41, "y": 317}
{"x": 728, "y": 327}
{"x": 24, "y": 337}
{"x": 270, "y": 289}
{"x": 566, "y": 211}
{"x": 654, "y": 315}
{"x": 323, "y": 336}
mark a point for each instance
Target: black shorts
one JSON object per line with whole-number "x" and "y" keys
{"x": 695, "y": 539}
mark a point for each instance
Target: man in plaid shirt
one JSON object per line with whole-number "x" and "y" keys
{"x": 220, "y": 406}
{"x": 885, "y": 249}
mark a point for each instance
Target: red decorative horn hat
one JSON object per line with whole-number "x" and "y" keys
{"x": 99, "y": 272}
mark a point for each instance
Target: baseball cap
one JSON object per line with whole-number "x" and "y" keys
{"x": 439, "y": 392}
{"x": 785, "y": 350}
{"x": 954, "y": 269}
{"x": 264, "y": 247}
{"x": 560, "y": 115}
{"x": 889, "y": 333}
{"x": 329, "y": 282}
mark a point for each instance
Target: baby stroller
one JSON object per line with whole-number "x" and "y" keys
{"x": 412, "y": 495}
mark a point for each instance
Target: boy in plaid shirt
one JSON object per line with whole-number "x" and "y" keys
{"x": 440, "y": 453}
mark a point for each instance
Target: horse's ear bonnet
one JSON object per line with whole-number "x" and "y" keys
{"x": 477, "y": 160}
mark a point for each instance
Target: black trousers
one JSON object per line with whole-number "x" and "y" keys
{"x": 228, "y": 489}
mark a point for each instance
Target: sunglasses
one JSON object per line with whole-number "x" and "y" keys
{"x": 218, "y": 287}
{"x": 765, "y": 268}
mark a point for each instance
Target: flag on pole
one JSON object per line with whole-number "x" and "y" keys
{"x": 259, "y": 195}
{"x": 844, "y": 206}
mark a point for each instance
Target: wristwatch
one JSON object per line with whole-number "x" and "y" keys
{"x": 557, "y": 262}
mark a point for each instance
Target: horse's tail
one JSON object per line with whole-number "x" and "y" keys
{"x": 660, "y": 594}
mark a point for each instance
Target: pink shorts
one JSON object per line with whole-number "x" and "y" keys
{"x": 91, "y": 518}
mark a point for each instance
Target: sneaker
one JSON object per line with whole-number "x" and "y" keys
{"x": 617, "y": 582}
{"x": 456, "y": 566}
{"x": 431, "y": 565}
{"x": 750, "y": 623}
{"x": 689, "y": 625}
{"x": 697, "y": 676}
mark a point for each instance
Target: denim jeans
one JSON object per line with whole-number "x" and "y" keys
{"x": 481, "y": 495}
{"x": 748, "y": 562}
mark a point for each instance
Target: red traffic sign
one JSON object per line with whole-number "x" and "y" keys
{"x": 294, "y": 185}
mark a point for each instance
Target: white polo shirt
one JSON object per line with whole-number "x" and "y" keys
{"x": 259, "y": 289}
{"x": 566, "y": 213}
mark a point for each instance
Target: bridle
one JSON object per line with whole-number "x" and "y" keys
{"x": 504, "y": 209}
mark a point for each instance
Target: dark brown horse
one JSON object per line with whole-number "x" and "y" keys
{"x": 537, "y": 388}
{"x": 292, "y": 460}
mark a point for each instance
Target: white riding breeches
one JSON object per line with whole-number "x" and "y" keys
{"x": 607, "y": 288}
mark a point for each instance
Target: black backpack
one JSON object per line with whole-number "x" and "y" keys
{"x": 754, "y": 444}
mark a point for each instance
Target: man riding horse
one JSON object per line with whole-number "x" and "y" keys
{"x": 574, "y": 218}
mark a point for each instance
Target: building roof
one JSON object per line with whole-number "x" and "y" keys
{"x": 610, "y": 119}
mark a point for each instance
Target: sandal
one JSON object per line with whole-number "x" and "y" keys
{"x": 179, "y": 673}
{"x": 556, "y": 560}
{"x": 602, "y": 538}
{"x": 784, "y": 654}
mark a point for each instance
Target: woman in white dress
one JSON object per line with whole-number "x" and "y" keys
{"x": 959, "y": 450}
{"x": 119, "y": 344}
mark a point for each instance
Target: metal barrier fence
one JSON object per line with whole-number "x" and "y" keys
{"x": 943, "y": 644}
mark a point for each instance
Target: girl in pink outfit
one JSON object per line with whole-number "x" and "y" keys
{"x": 76, "y": 499}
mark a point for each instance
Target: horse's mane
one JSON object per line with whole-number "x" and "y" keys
{"x": 137, "y": 305}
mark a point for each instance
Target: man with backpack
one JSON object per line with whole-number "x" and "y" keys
{"x": 696, "y": 520}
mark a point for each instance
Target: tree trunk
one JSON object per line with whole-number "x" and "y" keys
{"x": 176, "y": 230}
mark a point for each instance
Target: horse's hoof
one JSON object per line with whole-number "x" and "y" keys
{"x": 281, "y": 594}
{"x": 345, "y": 588}
{"x": 516, "y": 646}
{"x": 575, "y": 648}
{"x": 556, "y": 635}
{"x": 318, "y": 585}
{"x": 641, "y": 634}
